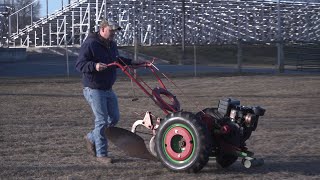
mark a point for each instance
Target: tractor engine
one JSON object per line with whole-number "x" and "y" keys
{"x": 238, "y": 121}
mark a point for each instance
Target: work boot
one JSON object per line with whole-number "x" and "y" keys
{"x": 90, "y": 146}
{"x": 105, "y": 160}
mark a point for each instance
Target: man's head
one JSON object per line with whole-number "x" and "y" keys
{"x": 108, "y": 29}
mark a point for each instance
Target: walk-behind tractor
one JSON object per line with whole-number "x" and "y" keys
{"x": 184, "y": 141}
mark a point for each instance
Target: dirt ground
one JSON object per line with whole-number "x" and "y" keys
{"x": 43, "y": 121}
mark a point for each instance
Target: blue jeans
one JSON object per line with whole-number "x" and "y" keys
{"x": 104, "y": 104}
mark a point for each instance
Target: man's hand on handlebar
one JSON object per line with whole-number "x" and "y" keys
{"x": 101, "y": 67}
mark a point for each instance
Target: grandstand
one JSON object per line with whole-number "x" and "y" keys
{"x": 5, "y": 11}
{"x": 172, "y": 22}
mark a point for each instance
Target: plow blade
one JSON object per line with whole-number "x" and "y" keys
{"x": 132, "y": 144}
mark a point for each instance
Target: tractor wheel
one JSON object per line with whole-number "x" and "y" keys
{"x": 182, "y": 142}
{"x": 226, "y": 160}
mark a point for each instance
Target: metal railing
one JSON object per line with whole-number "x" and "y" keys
{"x": 36, "y": 24}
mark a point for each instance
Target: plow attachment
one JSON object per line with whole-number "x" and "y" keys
{"x": 132, "y": 144}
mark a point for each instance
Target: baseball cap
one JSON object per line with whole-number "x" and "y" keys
{"x": 113, "y": 25}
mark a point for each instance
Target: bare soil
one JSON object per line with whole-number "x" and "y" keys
{"x": 43, "y": 121}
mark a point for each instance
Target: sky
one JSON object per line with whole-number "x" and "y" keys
{"x": 52, "y": 6}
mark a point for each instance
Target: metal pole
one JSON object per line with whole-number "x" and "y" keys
{"x": 105, "y": 9}
{"x": 97, "y": 18}
{"x": 279, "y": 43}
{"x": 80, "y": 25}
{"x": 57, "y": 32}
{"x": 135, "y": 58}
{"x": 17, "y": 23}
{"x": 31, "y": 14}
{"x": 135, "y": 48}
{"x": 6, "y": 29}
{"x": 42, "y": 36}
{"x": 66, "y": 44}
{"x": 195, "y": 59}
{"x": 307, "y": 15}
{"x": 239, "y": 55}
{"x": 89, "y": 19}
{"x": 134, "y": 25}
{"x": 35, "y": 38}
{"x": 155, "y": 25}
{"x": 47, "y": 8}
{"x": 183, "y": 33}
{"x": 141, "y": 25}
{"x": 28, "y": 39}
{"x": 50, "y": 34}
{"x": 72, "y": 28}
{"x": 9, "y": 26}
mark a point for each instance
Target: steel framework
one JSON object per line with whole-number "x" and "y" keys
{"x": 5, "y": 10}
{"x": 161, "y": 22}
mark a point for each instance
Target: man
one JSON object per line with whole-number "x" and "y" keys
{"x": 96, "y": 52}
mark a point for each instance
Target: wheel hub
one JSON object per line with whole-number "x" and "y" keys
{"x": 178, "y": 143}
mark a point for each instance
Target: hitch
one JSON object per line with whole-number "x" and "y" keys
{"x": 148, "y": 123}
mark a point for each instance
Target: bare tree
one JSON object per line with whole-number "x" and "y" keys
{"x": 28, "y": 12}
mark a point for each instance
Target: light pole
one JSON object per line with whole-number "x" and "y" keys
{"x": 183, "y": 33}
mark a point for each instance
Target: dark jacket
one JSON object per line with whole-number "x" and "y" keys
{"x": 96, "y": 49}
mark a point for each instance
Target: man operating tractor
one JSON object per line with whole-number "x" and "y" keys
{"x": 98, "y": 50}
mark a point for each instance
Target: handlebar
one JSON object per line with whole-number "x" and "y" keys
{"x": 127, "y": 69}
{"x": 136, "y": 65}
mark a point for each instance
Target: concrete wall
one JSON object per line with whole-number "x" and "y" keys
{"x": 12, "y": 54}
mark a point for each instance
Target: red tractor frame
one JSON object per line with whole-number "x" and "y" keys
{"x": 184, "y": 141}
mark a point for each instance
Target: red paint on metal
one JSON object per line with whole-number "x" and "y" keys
{"x": 186, "y": 144}
{"x": 225, "y": 129}
{"x": 159, "y": 80}
{"x": 139, "y": 81}
{"x": 208, "y": 120}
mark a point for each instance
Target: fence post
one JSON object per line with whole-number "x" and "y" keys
{"x": 135, "y": 48}
{"x": 135, "y": 58}
{"x": 280, "y": 57}
{"x": 239, "y": 55}
{"x": 280, "y": 42}
{"x": 195, "y": 59}
{"x": 66, "y": 45}
{"x": 183, "y": 33}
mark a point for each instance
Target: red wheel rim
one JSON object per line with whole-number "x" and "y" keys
{"x": 179, "y": 143}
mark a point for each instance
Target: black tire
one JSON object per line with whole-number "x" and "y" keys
{"x": 224, "y": 160}
{"x": 189, "y": 143}
{"x": 174, "y": 106}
